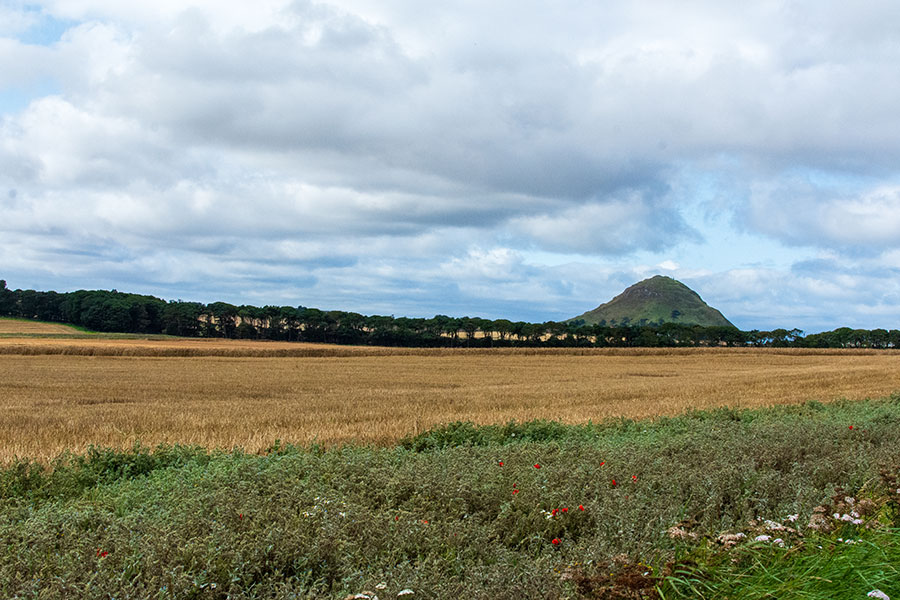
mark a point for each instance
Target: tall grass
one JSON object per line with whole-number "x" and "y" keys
{"x": 820, "y": 567}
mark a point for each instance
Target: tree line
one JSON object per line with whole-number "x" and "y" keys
{"x": 113, "y": 311}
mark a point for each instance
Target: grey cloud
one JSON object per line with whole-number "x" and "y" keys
{"x": 218, "y": 143}
{"x": 808, "y": 295}
{"x": 617, "y": 225}
{"x": 535, "y": 122}
{"x": 464, "y": 128}
{"x": 849, "y": 216}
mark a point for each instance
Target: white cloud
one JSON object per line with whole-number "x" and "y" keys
{"x": 617, "y": 226}
{"x": 353, "y": 146}
{"x": 800, "y": 212}
{"x": 496, "y": 264}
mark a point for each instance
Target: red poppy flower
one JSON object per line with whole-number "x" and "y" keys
{"x": 515, "y": 485}
{"x": 555, "y": 541}
{"x": 603, "y": 463}
{"x": 614, "y": 482}
{"x": 565, "y": 510}
{"x": 515, "y": 492}
{"x": 397, "y": 518}
{"x": 241, "y": 516}
{"x": 634, "y": 477}
{"x": 500, "y": 463}
{"x": 581, "y": 507}
{"x": 537, "y": 466}
{"x": 851, "y": 427}
{"x": 102, "y": 553}
{"x": 554, "y": 511}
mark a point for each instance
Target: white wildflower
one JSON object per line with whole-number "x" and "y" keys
{"x": 854, "y": 514}
{"x": 381, "y": 586}
{"x": 846, "y": 517}
{"x": 878, "y": 594}
{"x": 849, "y": 500}
{"x": 778, "y": 541}
{"x": 857, "y": 521}
{"x": 793, "y": 518}
{"x": 836, "y": 515}
{"x": 762, "y": 538}
{"x": 772, "y": 525}
{"x": 406, "y": 592}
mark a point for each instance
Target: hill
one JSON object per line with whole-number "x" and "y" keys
{"x": 655, "y": 300}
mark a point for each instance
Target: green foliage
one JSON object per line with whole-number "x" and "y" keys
{"x": 468, "y": 434}
{"x": 820, "y": 566}
{"x": 70, "y": 475}
{"x": 459, "y": 511}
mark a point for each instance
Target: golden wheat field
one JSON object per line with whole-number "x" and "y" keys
{"x": 65, "y": 394}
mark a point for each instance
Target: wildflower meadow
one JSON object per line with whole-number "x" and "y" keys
{"x": 784, "y": 502}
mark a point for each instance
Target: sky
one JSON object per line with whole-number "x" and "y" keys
{"x": 509, "y": 159}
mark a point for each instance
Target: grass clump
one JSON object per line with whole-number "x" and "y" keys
{"x": 536, "y": 510}
{"x": 848, "y": 547}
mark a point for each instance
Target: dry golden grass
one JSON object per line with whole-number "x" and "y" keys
{"x": 162, "y": 346}
{"x": 23, "y": 326}
{"x": 116, "y": 392}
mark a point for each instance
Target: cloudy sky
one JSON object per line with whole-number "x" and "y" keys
{"x": 524, "y": 160}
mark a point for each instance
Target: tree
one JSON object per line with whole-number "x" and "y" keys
{"x": 246, "y": 331}
{"x": 182, "y": 318}
{"x": 313, "y": 321}
{"x": 894, "y": 338}
{"x": 6, "y": 299}
{"x": 224, "y": 317}
{"x": 470, "y": 327}
{"x": 487, "y": 329}
{"x": 878, "y": 338}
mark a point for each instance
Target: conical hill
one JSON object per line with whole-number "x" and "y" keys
{"x": 659, "y": 299}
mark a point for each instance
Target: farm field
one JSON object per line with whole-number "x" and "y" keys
{"x": 68, "y": 393}
{"x": 621, "y": 477}
{"x": 23, "y": 326}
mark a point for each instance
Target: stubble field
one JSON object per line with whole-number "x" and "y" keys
{"x": 22, "y": 326}
{"x": 68, "y": 393}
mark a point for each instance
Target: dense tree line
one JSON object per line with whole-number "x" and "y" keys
{"x": 113, "y": 311}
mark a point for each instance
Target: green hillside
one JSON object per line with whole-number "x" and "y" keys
{"x": 654, "y": 300}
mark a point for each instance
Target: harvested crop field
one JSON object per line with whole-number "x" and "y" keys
{"x": 23, "y": 326}
{"x": 64, "y": 394}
